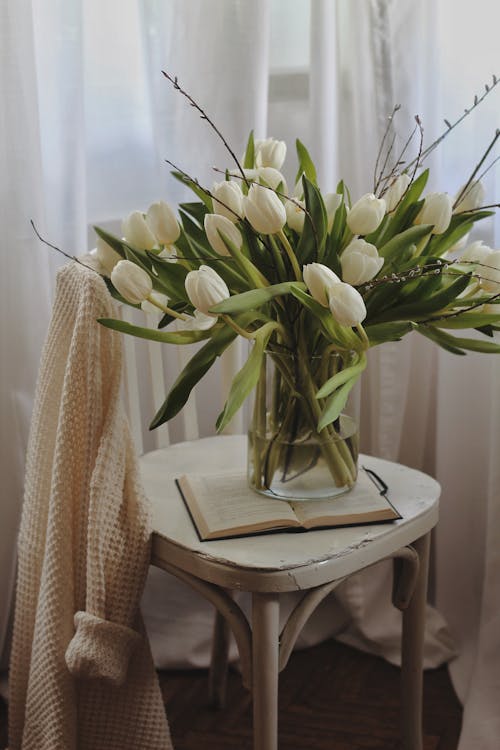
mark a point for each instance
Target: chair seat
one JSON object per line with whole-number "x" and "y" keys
{"x": 281, "y": 561}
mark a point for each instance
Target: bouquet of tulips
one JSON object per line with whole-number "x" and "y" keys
{"x": 313, "y": 280}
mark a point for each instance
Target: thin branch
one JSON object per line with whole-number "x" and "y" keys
{"x": 382, "y": 144}
{"x": 204, "y": 116}
{"x": 58, "y": 249}
{"x": 469, "y": 182}
{"x": 194, "y": 181}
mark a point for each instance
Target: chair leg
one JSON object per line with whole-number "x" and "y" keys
{"x": 265, "y": 630}
{"x": 217, "y": 678}
{"x": 412, "y": 653}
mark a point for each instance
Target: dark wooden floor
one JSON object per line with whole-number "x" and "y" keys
{"x": 331, "y": 698}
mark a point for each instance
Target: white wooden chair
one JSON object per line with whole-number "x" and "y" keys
{"x": 266, "y": 566}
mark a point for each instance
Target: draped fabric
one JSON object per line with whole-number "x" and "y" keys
{"x": 87, "y": 123}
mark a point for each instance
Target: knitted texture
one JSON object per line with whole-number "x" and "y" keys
{"x": 81, "y": 673}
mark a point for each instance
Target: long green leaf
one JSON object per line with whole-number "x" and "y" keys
{"x": 343, "y": 336}
{"x": 396, "y": 246}
{"x": 336, "y": 403}
{"x": 306, "y": 164}
{"x": 246, "y": 379}
{"x": 382, "y": 332}
{"x": 342, "y": 377}
{"x": 195, "y": 187}
{"x": 249, "y": 160}
{"x": 254, "y": 298}
{"x": 419, "y": 310}
{"x": 192, "y": 373}
{"x": 312, "y": 239}
{"x": 467, "y": 320}
{"x": 166, "y": 337}
{"x": 439, "y": 337}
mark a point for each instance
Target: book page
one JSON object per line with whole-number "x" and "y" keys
{"x": 223, "y": 503}
{"x": 363, "y": 504}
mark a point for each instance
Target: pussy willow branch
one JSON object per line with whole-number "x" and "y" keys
{"x": 450, "y": 127}
{"x": 204, "y": 116}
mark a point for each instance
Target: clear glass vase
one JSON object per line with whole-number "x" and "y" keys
{"x": 288, "y": 458}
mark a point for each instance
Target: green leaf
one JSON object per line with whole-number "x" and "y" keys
{"x": 342, "y": 377}
{"x": 171, "y": 277}
{"x": 249, "y": 159}
{"x": 192, "y": 373}
{"x": 467, "y": 320}
{"x": 254, "y": 298}
{"x": 395, "y": 248}
{"x": 306, "y": 165}
{"x": 195, "y": 187}
{"x": 166, "y": 337}
{"x": 312, "y": 239}
{"x": 336, "y": 403}
{"x": 246, "y": 379}
{"x": 382, "y": 332}
{"x": 439, "y": 337}
{"x": 425, "y": 307}
{"x": 196, "y": 210}
{"x": 114, "y": 242}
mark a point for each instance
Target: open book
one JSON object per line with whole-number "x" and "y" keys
{"x": 222, "y": 506}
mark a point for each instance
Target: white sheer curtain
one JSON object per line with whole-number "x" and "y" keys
{"x": 87, "y": 122}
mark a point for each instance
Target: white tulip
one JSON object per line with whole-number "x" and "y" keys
{"x": 471, "y": 199}
{"x": 131, "y": 281}
{"x": 360, "y": 262}
{"x": 490, "y": 276}
{"x": 107, "y": 257}
{"x": 215, "y": 223}
{"x": 147, "y": 305}
{"x": 346, "y": 304}
{"x": 318, "y": 279}
{"x": 162, "y": 222}
{"x": 205, "y": 288}
{"x": 272, "y": 178}
{"x": 295, "y": 215}
{"x": 264, "y": 210}
{"x": 396, "y": 190}
{"x": 230, "y": 203}
{"x": 270, "y": 153}
{"x": 476, "y": 252}
{"x": 366, "y": 214}
{"x": 332, "y": 201}
{"x": 136, "y": 231}
{"x": 437, "y": 210}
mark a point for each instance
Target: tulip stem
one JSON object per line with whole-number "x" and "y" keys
{"x": 239, "y": 330}
{"x": 364, "y": 337}
{"x": 291, "y": 255}
{"x": 165, "y": 309}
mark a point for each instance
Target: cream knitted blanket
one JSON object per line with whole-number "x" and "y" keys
{"x": 81, "y": 674}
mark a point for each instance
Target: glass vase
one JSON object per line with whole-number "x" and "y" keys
{"x": 288, "y": 458}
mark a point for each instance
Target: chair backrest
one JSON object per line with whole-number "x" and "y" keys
{"x": 150, "y": 368}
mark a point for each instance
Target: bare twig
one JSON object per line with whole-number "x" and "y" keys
{"x": 58, "y": 249}
{"x": 204, "y": 116}
{"x": 469, "y": 182}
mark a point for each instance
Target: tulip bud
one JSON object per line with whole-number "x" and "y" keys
{"x": 366, "y": 214}
{"x": 264, "y": 210}
{"x": 476, "y": 252}
{"x": 270, "y": 153}
{"x": 162, "y": 222}
{"x": 230, "y": 203}
{"x": 136, "y": 231}
{"x": 107, "y": 257}
{"x": 318, "y": 279}
{"x": 215, "y": 223}
{"x": 147, "y": 305}
{"x": 295, "y": 215}
{"x": 205, "y": 288}
{"x": 360, "y": 262}
{"x": 332, "y": 201}
{"x": 490, "y": 276}
{"x": 346, "y": 304}
{"x": 436, "y": 210}
{"x": 472, "y": 198}
{"x": 131, "y": 281}
{"x": 272, "y": 178}
{"x": 395, "y": 192}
